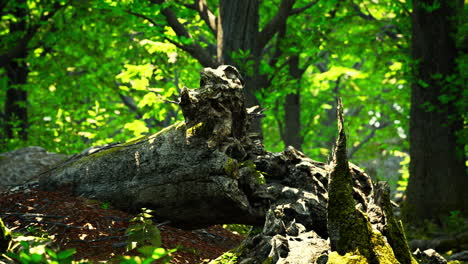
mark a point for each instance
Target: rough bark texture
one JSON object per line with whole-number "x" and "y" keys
{"x": 356, "y": 220}
{"x": 209, "y": 170}
{"x": 238, "y": 28}
{"x": 437, "y": 167}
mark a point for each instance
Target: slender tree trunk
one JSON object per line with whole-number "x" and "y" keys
{"x": 438, "y": 177}
{"x": 237, "y": 31}
{"x": 16, "y": 115}
{"x": 292, "y": 107}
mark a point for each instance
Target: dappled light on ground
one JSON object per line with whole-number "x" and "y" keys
{"x": 97, "y": 230}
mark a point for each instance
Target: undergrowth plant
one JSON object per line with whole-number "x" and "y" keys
{"x": 37, "y": 250}
{"x": 143, "y": 236}
{"x": 242, "y": 230}
{"x": 147, "y": 237}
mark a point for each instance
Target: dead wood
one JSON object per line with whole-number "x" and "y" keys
{"x": 209, "y": 170}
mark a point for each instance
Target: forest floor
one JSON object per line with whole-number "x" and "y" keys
{"x": 97, "y": 231}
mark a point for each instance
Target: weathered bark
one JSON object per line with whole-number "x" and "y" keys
{"x": 437, "y": 168}
{"x": 188, "y": 165}
{"x": 209, "y": 170}
{"x": 359, "y": 224}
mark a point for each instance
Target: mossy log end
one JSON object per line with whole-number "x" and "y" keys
{"x": 210, "y": 170}
{"x": 355, "y": 236}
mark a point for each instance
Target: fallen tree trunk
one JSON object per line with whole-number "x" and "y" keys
{"x": 209, "y": 170}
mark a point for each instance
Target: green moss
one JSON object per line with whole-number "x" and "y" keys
{"x": 131, "y": 142}
{"x": 175, "y": 126}
{"x": 397, "y": 239}
{"x": 98, "y": 154}
{"x": 363, "y": 239}
{"x": 229, "y": 257}
{"x": 374, "y": 251}
{"x": 350, "y": 258}
{"x": 179, "y": 125}
{"x": 200, "y": 129}
{"x": 394, "y": 231}
{"x": 232, "y": 168}
{"x": 258, "y": 175}
{"x": 381, "y": 250}
{"x": 268, "y": 260}
{"x": 351, "y": 235}
{"x": 5, "y": 237}
{"x": 95, "y": 155}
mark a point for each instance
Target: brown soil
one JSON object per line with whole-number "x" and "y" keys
{"x": 97, "y": 231}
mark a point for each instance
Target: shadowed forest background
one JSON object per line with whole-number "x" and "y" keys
{"x": 75, "y": 74}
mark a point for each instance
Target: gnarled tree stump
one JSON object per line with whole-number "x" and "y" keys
{"x": 209, "y": 170}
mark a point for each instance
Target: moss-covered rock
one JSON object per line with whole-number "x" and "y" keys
{"x": 350, "y": 258}
{"x": 232, "y": 168}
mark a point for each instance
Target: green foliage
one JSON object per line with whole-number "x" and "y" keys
{"x": 404, "y": 171}
{"x": 358, "y": 62}
{"x": 452, "y": 224}
{"x": 143, "y": 231}
{"x": 91, "y": 60}
{"x": 243, "y": 230}
{"x": 227, "y": 258}
{"x": 37, "y": 251}
{"x": 5, "y": 237}
{"x": 455, "y": 223}
{"x": 150, "y": 254}
{"x": 105, "y": 205}
{"x": 37, "y": 231}
{"x": 147, "y": 237}
{"x": 99, "y": 72}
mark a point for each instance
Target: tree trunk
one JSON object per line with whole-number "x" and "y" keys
{"x": 292, "y": 111}
{"x": 208, "y": 170}
{"x": 238, "y": 24}
{"x": 438, "y": 179}
{"x": 16, "y": 115}
{"x": 292, "y": 107}
{"x": 239, "y": 27}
